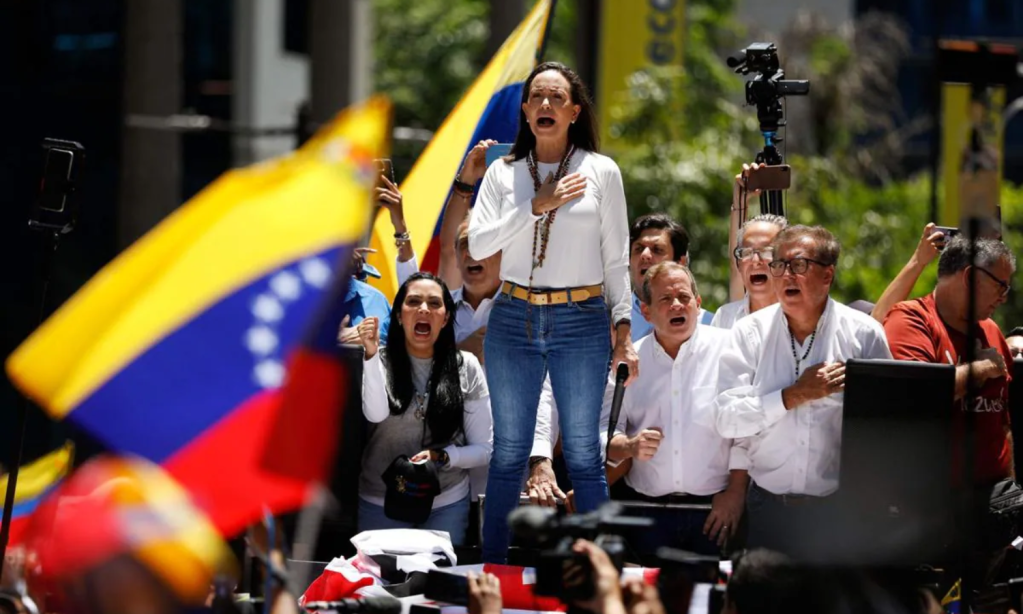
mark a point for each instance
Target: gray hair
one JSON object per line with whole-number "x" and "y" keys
{"x": 986, "y": 252}
{"x": 660, "y": 269}
{"x": 768, "y": 218}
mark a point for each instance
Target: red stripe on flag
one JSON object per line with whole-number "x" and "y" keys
{"x": 221, "y": 468}
{"x": 431, "y": 260}
{"x": 308, "y": 427}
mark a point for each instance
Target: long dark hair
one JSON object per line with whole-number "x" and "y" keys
{"x": 582, "y": 134}
{"x": 444, "y": 411}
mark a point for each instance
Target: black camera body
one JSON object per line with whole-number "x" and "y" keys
{"x": 769, "y": 86}
{"x": 560, "y": 571}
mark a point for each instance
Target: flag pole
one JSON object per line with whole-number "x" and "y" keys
{"x": 542, "y": 50}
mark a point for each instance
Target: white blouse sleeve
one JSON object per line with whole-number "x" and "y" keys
{"x": 496, "y": 219}
{"x": 374, "y": 390}
{"x": 614, "y": 244}
{"x": 477, "y": 422}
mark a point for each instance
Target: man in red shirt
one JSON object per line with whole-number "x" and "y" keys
{"x": 934, "y": 329}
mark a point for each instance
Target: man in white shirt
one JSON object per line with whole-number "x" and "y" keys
{"x": 752, "y": 254}
{"x": 666, "y": 425}
{"x": 780, "y": 391}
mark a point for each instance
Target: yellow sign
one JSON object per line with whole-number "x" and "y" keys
{"x": 635, "y": 34}
{"x": 971, "y": 153}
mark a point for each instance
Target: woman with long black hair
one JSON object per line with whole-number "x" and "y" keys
{"x": 556, "y": 210}
{"x": 426, "y": 401}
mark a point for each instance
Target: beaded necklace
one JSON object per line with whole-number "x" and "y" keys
{"x": 795, "y": 355}
{"x": 542, "y": 227}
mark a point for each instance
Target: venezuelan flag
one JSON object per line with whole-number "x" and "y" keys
{"x": 176, "y": 350}
{"x": 489, "y": 110}
{"x": 36, "y": 481}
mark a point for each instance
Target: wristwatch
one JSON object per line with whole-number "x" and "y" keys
{"x": 442, "y": 457}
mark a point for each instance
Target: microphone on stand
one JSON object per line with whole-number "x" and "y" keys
{"x": 621, "y": 374}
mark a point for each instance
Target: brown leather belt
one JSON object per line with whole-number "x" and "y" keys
{"x": 552, "y": 297}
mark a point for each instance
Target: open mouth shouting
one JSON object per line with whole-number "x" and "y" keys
{"x": 678, "y": 321}
{"x": 791, "y": 291}
{"x": 422, "y": 330}
{"x": 545, "y": 122}
{"x": 474, "y": 269}
{"x": 758, "y": 280}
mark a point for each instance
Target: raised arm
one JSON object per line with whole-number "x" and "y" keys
{"x": 456, "y": 209}
{"x": 898, "y": 290}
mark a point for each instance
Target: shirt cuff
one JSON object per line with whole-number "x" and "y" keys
{"x": 738, "y": 458}
{"x": 774, "y": 407}
{"x": 454, "y": 456}
{"x": 542, "y": 447}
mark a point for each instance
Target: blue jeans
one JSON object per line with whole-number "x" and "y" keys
{"x": 571, "y": 342}
{"x": 453, "y": 518}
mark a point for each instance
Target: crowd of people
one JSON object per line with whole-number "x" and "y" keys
{"x": 501, "y": 369}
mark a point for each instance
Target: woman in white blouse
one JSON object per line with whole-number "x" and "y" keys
{"x": 425, "y": 400}
{"x": 556, "y": 210}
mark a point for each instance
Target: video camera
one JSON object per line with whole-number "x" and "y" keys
{"x": 765, "y": 92}
{"x": 561, "y": 572}
{"x": 769, "y": 86}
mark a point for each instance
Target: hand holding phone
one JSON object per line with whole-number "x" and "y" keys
{"x": 771, "y": 178}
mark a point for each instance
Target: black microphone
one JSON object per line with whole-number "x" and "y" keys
{"x": 621, "y": 374}
{"x": 377, "y": 604}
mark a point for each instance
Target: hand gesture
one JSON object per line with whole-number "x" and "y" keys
{"x": 988, "y": 364}
{"x": 484, "y": 594}
{"x": 425, "y": 455}
{"x": 389, "y": 197}
{"x": 475, "y": 165}
{"x": 607, "y": 598}
{"x": 817, "y": 382}
{"x": 348, "y": 335}
{"x": 645, "y": 444}
{"x": 930, "y": 245}
{"x": 542, "y": 486}
{"x": 748, "y": 170}
{"x": 625, "y": 352}
{"x": 725, "y": 513}
{"x": 642, "y": 598}
{"x": 474, "y": 343}
{"x": 553, "y": 195}
{"x": 369, "y": 333}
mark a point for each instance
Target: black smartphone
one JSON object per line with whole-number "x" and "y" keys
{"x": 447, "y": 587}
{"x": 948, "y": 231}
{"x": 55, "y": 207}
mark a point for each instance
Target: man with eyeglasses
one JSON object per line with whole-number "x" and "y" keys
{"x": 936, "y": 329}
{"x": 780, "y": 386}
{"x": 752, "y": 255}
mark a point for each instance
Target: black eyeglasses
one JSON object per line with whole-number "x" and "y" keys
{"x": 745, "y": 253}
{"x": 1004, "y": 285}
{"x": 798, "y": 266}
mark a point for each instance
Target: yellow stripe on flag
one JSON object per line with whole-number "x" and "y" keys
{"x": 39, "y": 475}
